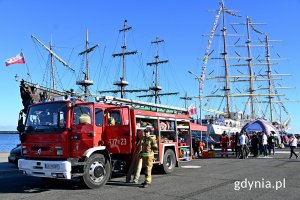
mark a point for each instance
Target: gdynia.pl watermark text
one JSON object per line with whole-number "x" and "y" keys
{"x": 259, "y": 184}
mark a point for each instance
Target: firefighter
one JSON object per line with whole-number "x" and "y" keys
{"x": 224, "y": 144}
{"x": 149, "y": 146}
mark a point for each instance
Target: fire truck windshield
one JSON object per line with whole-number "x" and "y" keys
{"x": 46, "y": 118}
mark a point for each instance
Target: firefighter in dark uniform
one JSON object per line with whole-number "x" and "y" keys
{"x": 149, "y": 147}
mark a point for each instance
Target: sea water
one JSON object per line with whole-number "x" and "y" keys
{"x": 8, "y": 142}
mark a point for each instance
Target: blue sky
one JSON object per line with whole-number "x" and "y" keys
{"x": 180, "y": 23}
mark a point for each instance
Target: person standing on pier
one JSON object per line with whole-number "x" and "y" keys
{"x": 293, "y": 144}
{"x": 149, "y": 147}
{"x": 224, "y": 144}
{"x": 232, "y": 143}
{"x": 265, "y": 143}
{"x": 254, "y": 144}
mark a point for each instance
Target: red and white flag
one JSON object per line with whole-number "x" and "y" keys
{"x": 192, "y": 109}
{"x": 18, "y": 59}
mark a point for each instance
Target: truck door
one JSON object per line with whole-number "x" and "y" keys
{"x": 118, "y": 134}
{"x": 98, "y": 129}
{"x": 82, "y": 135}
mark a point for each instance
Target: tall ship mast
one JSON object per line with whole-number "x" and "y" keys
{"x": 156, "y": 88}
{"x": 238, "y": 79}
{"x": 53, "y": 55}
{"x": 186, "y": 99}
{"x": 123, "y": 83}
{"x": 32, "y": 92}
{"x": 85, "y": 83}
{"x": 274, "y": 105}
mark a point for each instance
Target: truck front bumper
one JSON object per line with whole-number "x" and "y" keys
{"x": 47, "y": 169}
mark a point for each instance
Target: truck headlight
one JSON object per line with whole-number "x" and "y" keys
{"x": 59, "y": 152}
{"x": 25, "y": 151}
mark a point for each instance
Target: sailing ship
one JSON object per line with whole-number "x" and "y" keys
{"x": 244, "y": 84}
{"x": 32, "y": 93}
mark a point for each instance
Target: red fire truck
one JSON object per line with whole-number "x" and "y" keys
{"x": 68, "y": 139}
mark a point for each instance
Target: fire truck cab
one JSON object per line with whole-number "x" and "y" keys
{"x": 69, "y": 139}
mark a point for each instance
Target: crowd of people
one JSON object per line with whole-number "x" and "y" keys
{"x": 257, "y": 144}
{"x": 244, "y": 144}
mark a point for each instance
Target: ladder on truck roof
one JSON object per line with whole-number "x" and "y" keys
{"x": 141, "y": 105}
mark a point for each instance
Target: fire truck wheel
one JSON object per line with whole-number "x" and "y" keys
{"x": 96, "y": 172}
{"x": 169, "y": 161}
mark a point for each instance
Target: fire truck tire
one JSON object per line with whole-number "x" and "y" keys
{"x": 169, "y": 161}
{"x": 96, "y": 171}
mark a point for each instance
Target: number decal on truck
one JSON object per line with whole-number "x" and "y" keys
{"x": 117, "y": 142}
{"x": 123, "y": 141}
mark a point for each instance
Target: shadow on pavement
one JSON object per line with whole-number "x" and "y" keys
{"x": 17, "y": 183}
{"x": 122, "y": 183}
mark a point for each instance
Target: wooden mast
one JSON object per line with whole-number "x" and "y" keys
{"x": 186, "y": 98}
{"x": 249, "y": 60}
{"x": 156, "y": 88}
{"x": 52, "y": 67}
{"x": 86, "y": 82}
{"x": 251, "y": 77}
{"x": 270, "y": 97}
{"x": 52, "y": 56}
{"x": 123, "y": 83}
{"x": 86, "y": 77}
{"x": 226, "y": 88}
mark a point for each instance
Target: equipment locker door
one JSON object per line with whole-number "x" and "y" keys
{"x": 118, "y": 134}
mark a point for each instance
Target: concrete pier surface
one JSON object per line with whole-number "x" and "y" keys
{"x": 272, "y": 177}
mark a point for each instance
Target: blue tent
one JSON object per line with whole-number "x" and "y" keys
{"x": 261, "y": 125}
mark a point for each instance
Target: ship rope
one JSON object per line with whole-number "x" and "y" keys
{"x": 280, "y": 103}
{"x": 279, "y": 99}
{"x": 232, "y": 13}
{"x": 245, "y": 112}
{"x": 255, "y": 30}
{"x": 207, "y": 51}
{"x": 259, "y": 107}
{"x": 58, "y": 79}
{"x": 221, "y": 103}
{"x": 46, "y": 76}
{"x": 273, "y": 83}
{"x": 206, "y": 55}
{"x": 100, "y": 68}
{"x": 275, "y": 109}
{"x": 28, "y": 72}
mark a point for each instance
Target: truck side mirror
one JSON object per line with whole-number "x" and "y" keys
{"x": 61, "y": 120}
{"x": 21, "y": 126}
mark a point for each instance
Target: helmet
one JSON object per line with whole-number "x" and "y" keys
{"x": 147, "y": 130}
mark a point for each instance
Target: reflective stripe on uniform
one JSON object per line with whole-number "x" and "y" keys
{"x": 147, "y": 154}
